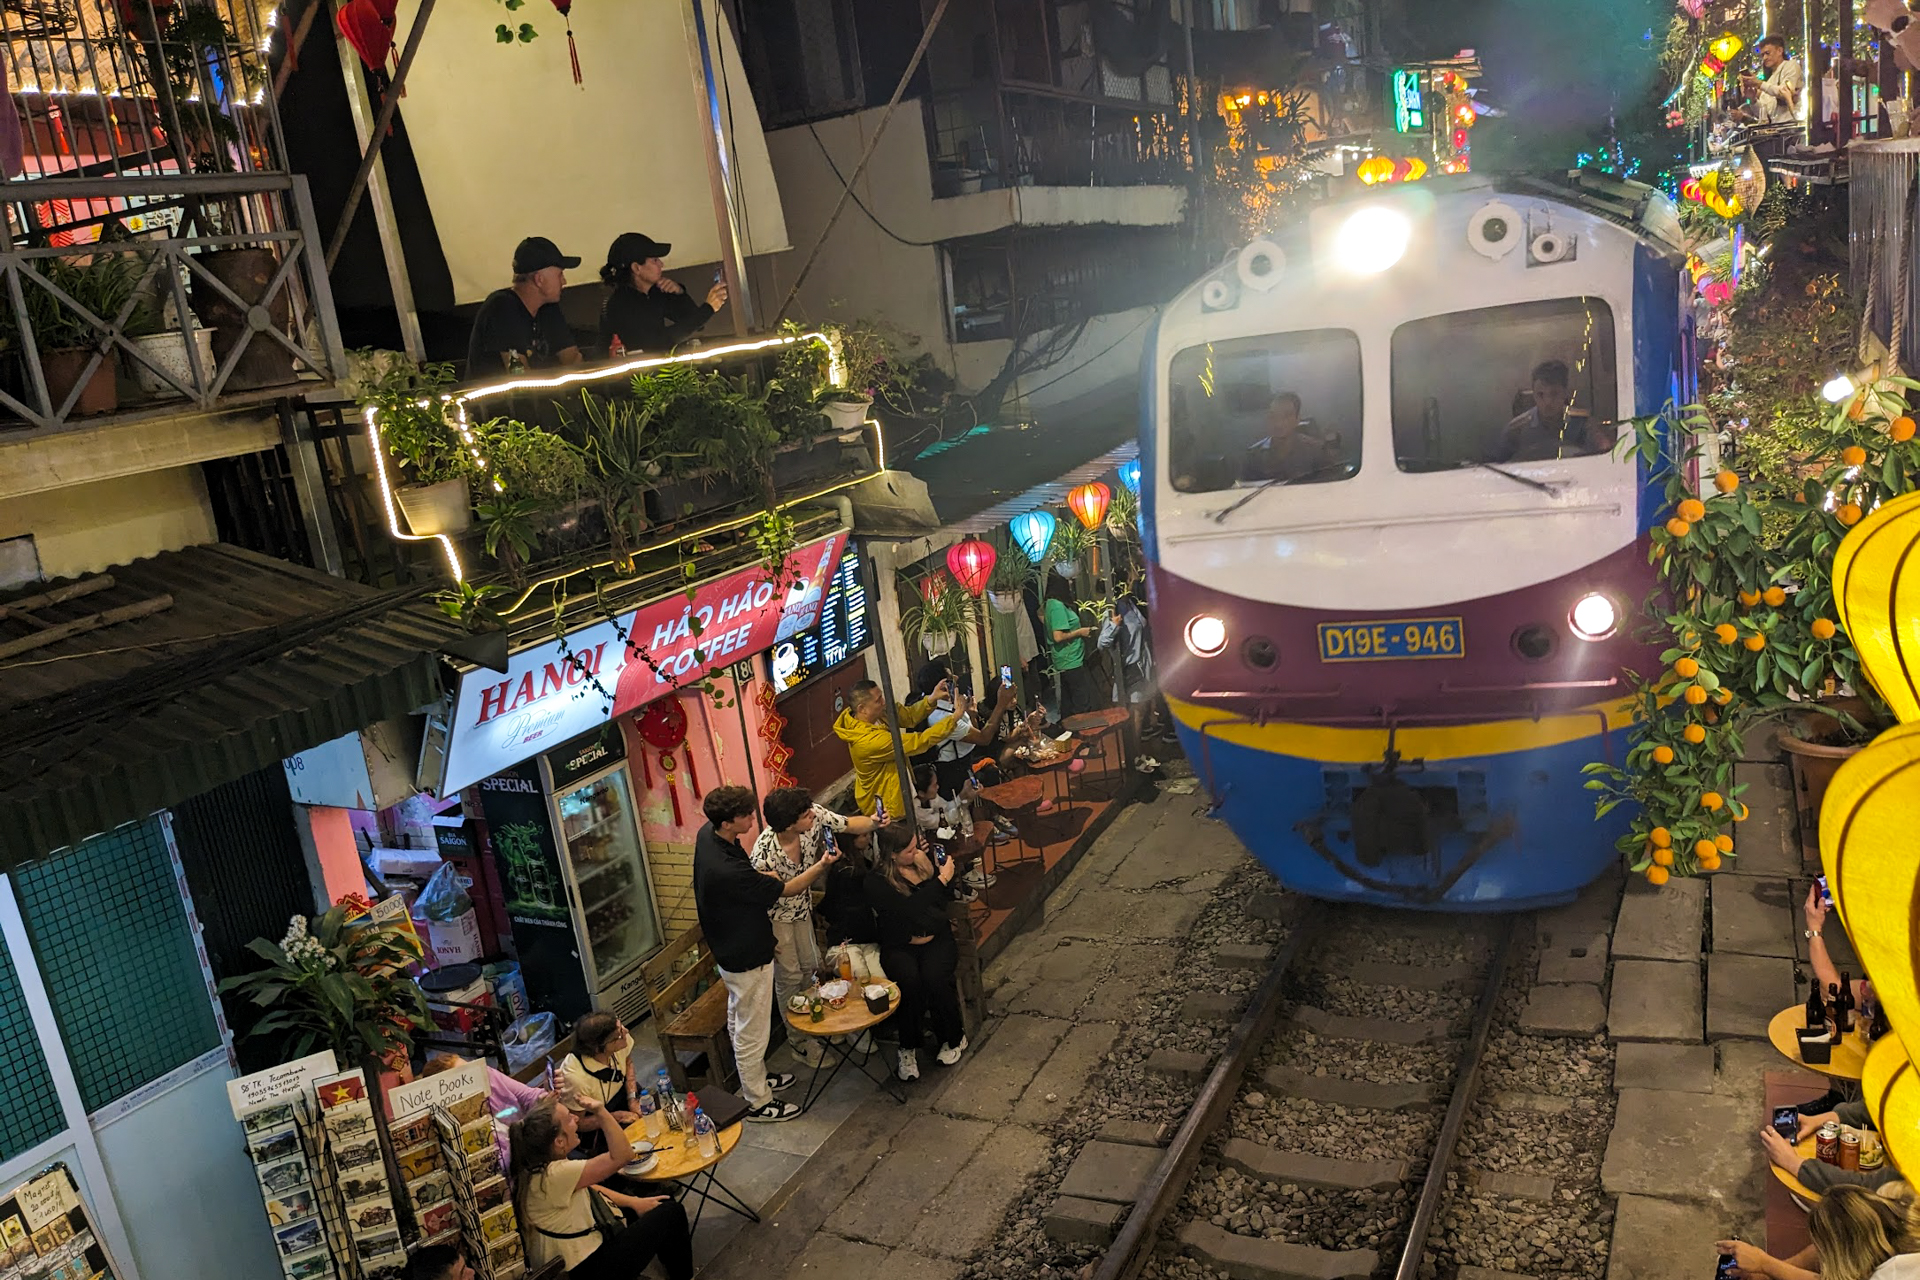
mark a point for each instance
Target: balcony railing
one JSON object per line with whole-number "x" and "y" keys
{"x": 983, "y": 140}
{"x": 159, "y": 256}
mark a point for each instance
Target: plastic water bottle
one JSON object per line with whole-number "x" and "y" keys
{"x": 669, "y": 1105}
{"x": 705, "y": 1138}
{"x": 649, "y": 1111}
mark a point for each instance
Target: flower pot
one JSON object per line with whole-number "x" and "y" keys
{"x": 847, "y": 415}
{"x": 436, "y": 508}
{"x": 1815, "y": 753}
{"x": 248, "y": 272}
{"x": 938, "y": 643}
{"x": 1067, "y": 568}
{"x": 168, "y": 351}
{"x": 1004, "y": 601}
{"x": 62, "y": 369}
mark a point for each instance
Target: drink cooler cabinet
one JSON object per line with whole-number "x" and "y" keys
{"x": 566, "y": 839}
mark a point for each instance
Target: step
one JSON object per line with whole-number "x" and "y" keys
{"x": 1092, "y": 1223}
{"x": 1109, "y": 1171}
{"x": 1258, "y": 1160}
{"x": 1340, "y": 1092}
{"x": 1400, "y": 1031}
{"x": 1253, "y": 1258}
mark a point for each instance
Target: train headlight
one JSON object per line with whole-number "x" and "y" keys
{"x": 1372, "y": 240}
{"x": 1206, "y": 635}
{"x": 1594, "y": 617}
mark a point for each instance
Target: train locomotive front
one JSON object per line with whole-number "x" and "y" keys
{"x": 1395, "y": 536}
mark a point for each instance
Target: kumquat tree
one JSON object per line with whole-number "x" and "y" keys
{"x": 1745, "y": 617}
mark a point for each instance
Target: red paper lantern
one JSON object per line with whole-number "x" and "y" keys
{"x": 971, "y": 563}
{"x": 1089, "y": 503}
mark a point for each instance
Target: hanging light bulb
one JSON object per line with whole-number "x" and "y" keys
{"x": 1034, "y": 532}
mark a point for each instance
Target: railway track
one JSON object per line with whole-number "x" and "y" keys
{"x": 1313, "y": 1033}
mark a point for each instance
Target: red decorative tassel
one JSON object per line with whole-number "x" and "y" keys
{"x": 574, "y": 54}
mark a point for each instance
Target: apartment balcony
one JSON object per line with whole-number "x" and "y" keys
{"x": 160, "y": 282}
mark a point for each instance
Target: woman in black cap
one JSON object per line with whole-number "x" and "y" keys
{"x": 648, "y": 310}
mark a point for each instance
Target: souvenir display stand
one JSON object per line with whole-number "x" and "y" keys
{"x": 46, "y": 1232}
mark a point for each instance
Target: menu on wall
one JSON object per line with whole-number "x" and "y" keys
{"x": 842, "y": 632}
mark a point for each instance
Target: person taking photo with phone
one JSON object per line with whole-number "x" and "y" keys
{"x": 910, "y": 894}
{"x": 648, "y": 311}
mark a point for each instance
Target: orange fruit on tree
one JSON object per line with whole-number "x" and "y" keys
{"x": 1704, "y": 849}
{"x": 1726, "y": 633}
{"x": 1740, "y": 811}
{"x": 1756, "y": 642}
{"x": 1663, "y": 857}
{"x": 1678, "y": 528}
{"x": 1696, "y": 734}
{"x": 1854, "y": 456}
{"x": 1723, "y": 695}
{"x": 1686, "y": 668}
{"x": 1726, "y": 482}
{"x": 1823, "y": 629}
{"x": 1695, "y": 695}
{"x": 1749, "y": 598}
{"x": 1711, "y": 801}
{"x": 1692, "y": 510}
{"x": 1661, "y": 837}
{"x": 1663, "y": 754}
{"x": 1901, "y": 429}
{"x": 1848, "y": 514}
{"x": 1656, "y": 875}
{"x": 1711, "y": 863}
{"x": 1775, "y": 596}
{"x": 1723, "y": 842}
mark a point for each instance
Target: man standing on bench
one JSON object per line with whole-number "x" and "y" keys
{"x": 733, "y": 900}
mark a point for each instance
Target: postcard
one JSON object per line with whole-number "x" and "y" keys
{"x": 277, "y": 1116}
{"x": 291, "y": 1206}
{"x": 299, "y": 1237}
{"x": 418, "y": 1162}
{"x": 369, "y": 1248}
{"x": 498, "y": 1223}
{"x": 283, "y": 1175}
{"x": 491, "y": 1194}
{"x": 432, "y": 1189}
{"x": 353, "y": 1156}
{"x": 371, "y": 1183}
{"x": 310, "y": 1266}
{"x": 367, "y": 1216}
{"x": 276, "y": 1144}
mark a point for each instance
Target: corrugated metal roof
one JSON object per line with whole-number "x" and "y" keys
{"x": 256, "y": 659}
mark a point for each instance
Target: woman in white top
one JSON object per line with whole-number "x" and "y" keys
{"x": 597, "y": 1071}
{"x": 556, "y": 1216}
{"x": 1862, "y": 1236}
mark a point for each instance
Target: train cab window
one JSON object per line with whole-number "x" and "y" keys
{"x": 1528, "y": 382}
{"x": 1278, "y": 409}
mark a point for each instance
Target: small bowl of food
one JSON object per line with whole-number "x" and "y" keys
{"x": 797, "y": 1004}
{"x": 835, "y": 993}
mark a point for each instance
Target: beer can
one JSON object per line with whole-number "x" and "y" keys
{"x": 1872, "y": 1156}
{"x": 1849, "y": 1150}
{"x": 1827, "y": 1143}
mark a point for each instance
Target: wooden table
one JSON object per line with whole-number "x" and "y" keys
{"x": 1804, "y": 1149}
{"x": 849, "y": 1022}
{"x": 680, "y": 1161}
{"x": 1849, "y": 1052}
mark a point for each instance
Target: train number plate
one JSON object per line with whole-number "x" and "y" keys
{"x": 1397, "y": 638}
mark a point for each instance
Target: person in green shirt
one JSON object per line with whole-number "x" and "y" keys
{"x": 1067, "y": 637}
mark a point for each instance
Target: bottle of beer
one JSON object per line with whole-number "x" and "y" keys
{"x": 1816, "y": 1008}
{"x": 1879, "y": 1026}
{"x": 1843, "y": 1005}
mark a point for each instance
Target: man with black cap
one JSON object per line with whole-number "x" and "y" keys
{"x": 648, "y": 310}
{"x": 525, "y": 317}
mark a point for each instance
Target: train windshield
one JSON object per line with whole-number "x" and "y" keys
{"x": 1530, "y": 382}
{"x": 1283, "y": 407}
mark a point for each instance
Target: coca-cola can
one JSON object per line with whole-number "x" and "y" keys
{"x": 1826, "y": 1143}
{"x": 1849, "y": 1150}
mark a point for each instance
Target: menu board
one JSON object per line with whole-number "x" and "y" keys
{"x": 841, "y": 634}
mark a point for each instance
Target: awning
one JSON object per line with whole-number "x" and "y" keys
{"x": 209, "y": 663}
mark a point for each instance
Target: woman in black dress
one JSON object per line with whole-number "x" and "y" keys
{"x": 910, "y": 894}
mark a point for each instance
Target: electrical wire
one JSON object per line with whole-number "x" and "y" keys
{"x": 1091, "y": 359}
{"x": 861, "y": 204}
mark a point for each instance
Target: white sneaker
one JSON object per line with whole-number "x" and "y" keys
{"x": 981, "y": 881}
{"x": 864, "y": 1045}
{"x": 909, "y": 1065}
{"x": 950, "y": 1054}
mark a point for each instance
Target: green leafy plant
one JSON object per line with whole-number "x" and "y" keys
{"x": 707, "y": 425}
{"x": 331, "y": 985}
{"x": 1012, "y": 571}
{"x": 103, "y": 286}
{"x": 532, "y": 464}
{"x": 1123, "y": 513}
{"x": 512, "y": 530}
{"x": 774, "y": 538}
{"x": 618, "y": 441}
{"x": 469, "y": 605}
{"x": 409, "y": 404}
{"x": 509, "y": 33}
{"x": 945, "y": 609}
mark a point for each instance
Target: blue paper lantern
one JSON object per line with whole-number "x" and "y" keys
{"x": 1034, "y": 532}
{"x": 1130, "y": 476}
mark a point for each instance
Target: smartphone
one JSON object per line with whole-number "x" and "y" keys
{"x": 1723, "y": 1270}
{"x": 719, "y": 275}
{"x": 1006, "y": 675}
{"x": 1826, "y": 894}
{"x": 939, "y": 855}
{"x": 1786, "y": 1123}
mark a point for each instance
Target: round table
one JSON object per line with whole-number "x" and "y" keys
{"x": 836, "y": 1033}
{"x": 1805, "y": 1149}
{"x": 1849, "y": 1052}
{"x": 680, "y": 1161}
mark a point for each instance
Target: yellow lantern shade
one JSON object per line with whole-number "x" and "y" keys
{"x": 1891, "y": 1088}
{"x": 1876, "y": 590}
{"x": 1726, "y": 47}
{"x": 1376, "y": 169}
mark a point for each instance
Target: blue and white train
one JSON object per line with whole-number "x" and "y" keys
{"x": 1392, "y": 559}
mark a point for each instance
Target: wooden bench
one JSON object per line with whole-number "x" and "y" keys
{"x": 690, "y": 1009}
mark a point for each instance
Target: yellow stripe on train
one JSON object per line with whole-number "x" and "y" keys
{"x": 1432, "y": 743}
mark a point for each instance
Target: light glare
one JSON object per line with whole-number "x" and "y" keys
{"x": 1372, "y": 240}
{"x": 1594, "y": 617}
{"x": 1206, "y": 635}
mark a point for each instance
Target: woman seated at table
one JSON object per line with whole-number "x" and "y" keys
{"x": 551, "y": 1193}
{"x": 597, "y": 1069}
{"x": 909, "y": 895}
{"x": 1849, "y": 1226}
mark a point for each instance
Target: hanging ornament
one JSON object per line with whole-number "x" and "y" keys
{"x": 368, "y": 28}
{"x": 1034, "y": 532}
{"x": 1089, "y": 503}
{"x": 573, "y": 53}
{"x": 971, "y": 563}
{"x": 772, "y": 723}
{"x": 1130, "y": 476}
{"x": 666, "y": 770}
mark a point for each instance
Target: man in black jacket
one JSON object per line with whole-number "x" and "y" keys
{"x": 525, "y": 318}
{"x": 733, "y": 901}
{"x": 648, "y": 310}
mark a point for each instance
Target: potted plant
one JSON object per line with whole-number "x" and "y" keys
{"x": 936, "y": 622}
{"x": 435, "y": 464}
{"x": 332, "y": 985}
{"x": 713, "y": 438}
{"x": 1012, "y": 571}
{"x": 617, "y": 440}
{"x": 1123, "y": 514}
{"x": 532, "y": 476}
{"x": 1070, "y": 541}
{"x": 65, "y": 341}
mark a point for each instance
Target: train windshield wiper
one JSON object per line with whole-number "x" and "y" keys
{"x": 1220, "y": 516}
{"x": 1552, "y": 491}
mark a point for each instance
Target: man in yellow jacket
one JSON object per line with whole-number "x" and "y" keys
{"x": 862, "y": 726}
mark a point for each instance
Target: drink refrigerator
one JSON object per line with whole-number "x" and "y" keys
{"x": 566, "y": 835}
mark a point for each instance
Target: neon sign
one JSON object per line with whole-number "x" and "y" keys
{"x": 1409, "y": 109}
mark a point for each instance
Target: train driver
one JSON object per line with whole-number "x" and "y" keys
{"x": 1289, "y": 451}
{"x": 1547, "y": 430}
